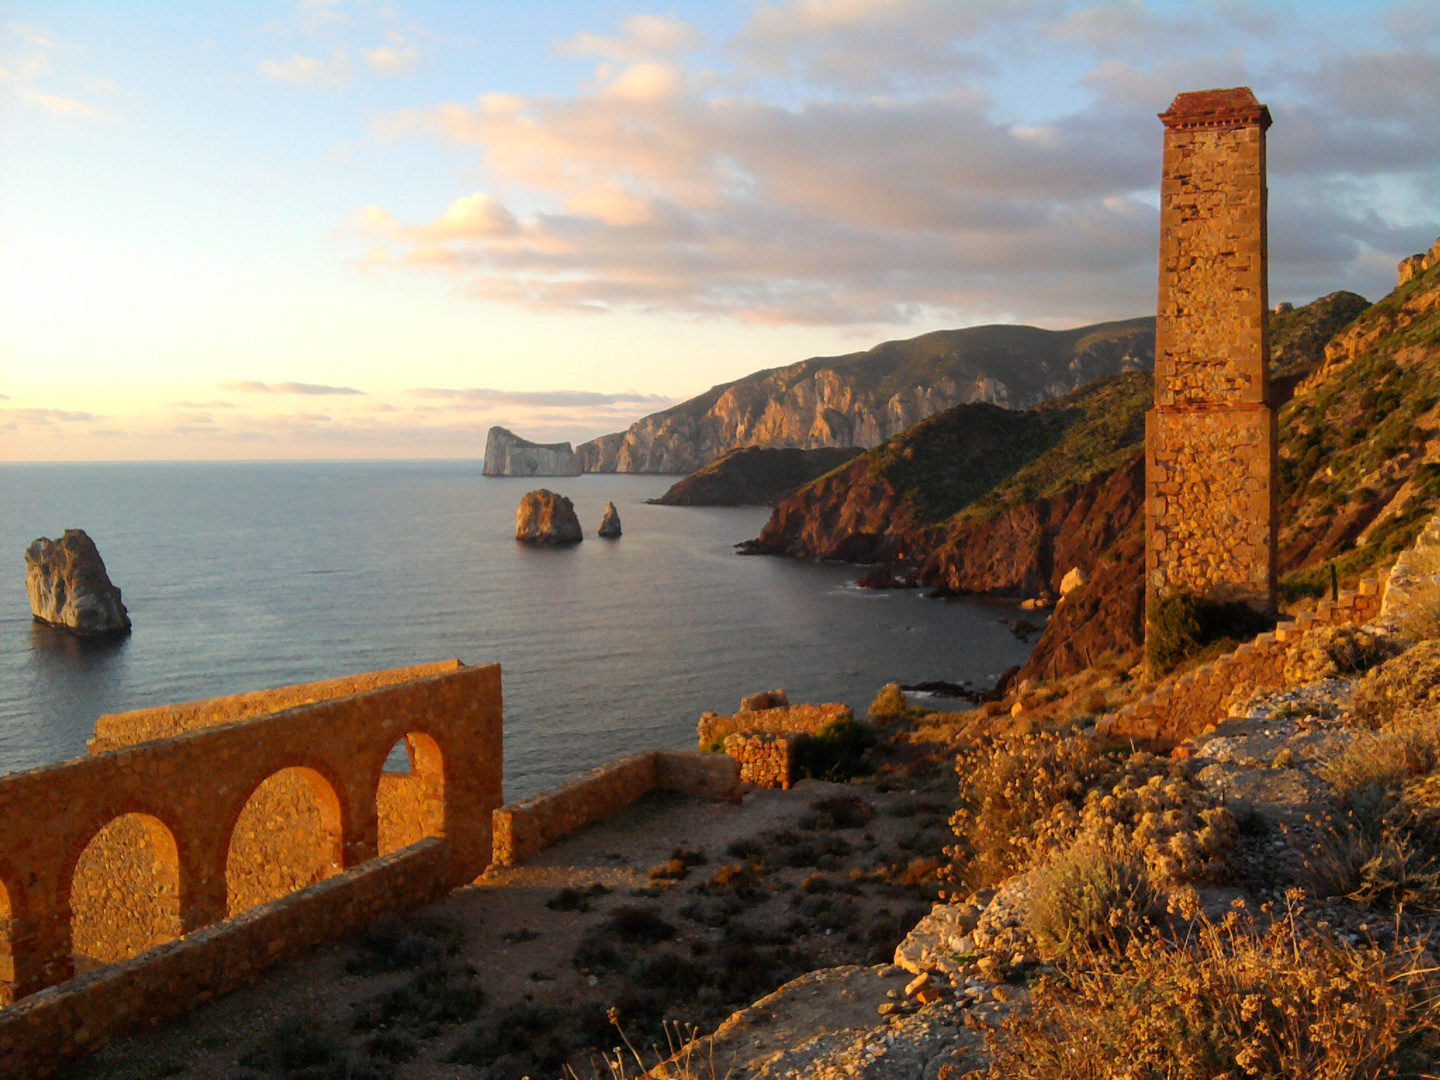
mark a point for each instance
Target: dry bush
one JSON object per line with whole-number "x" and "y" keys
{"x": 1231, "y": 1000}
{"x": 1034, "y": 796}
{"x": 1387, "y": 850}
{"x": 1325, "y": 652}
{"x": 1008, "y": 791}
{"x": 1406, "y": 746}
{"x": 1093, "y": 895}
{"x": 1420, "y": 620}
{"x": 1179, "y": 831}
{"x": 1410, "y": 680}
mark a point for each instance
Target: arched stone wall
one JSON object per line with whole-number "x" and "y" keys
{"x": 287, "y": 835}
{"x": 124, "y": 892}
{"x": 410, "y": 806}
{"x": 195, "y": 767}
{"x": 7, "y": 937}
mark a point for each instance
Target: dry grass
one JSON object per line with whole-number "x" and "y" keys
{"x": 1091, "y": 895}
{"x": 1421, "y": 618}
{"x": 1028, "y": 798}
{"x": 1234, "y": 999}
{"x": 1008, "y": 792}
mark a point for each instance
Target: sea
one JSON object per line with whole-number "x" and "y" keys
{"x": 245, "y": 575}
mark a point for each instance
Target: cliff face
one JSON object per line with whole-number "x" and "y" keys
{"x": 506, "y": 454}
{"x": 862, "y": 399}
{"x": 1062, "y": 486}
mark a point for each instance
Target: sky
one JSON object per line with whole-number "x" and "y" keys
{"x": 349, "y": 229}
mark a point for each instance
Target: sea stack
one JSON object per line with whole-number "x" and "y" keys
{"x": 610, "y": 523}
{"x": 507, "y": 454}
{"x": 544, "y": 517}
{"x": 69, "y": 587}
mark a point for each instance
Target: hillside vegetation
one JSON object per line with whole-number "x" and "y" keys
{"x": 861, "y": 399}
{"x": 1006, "y": 503}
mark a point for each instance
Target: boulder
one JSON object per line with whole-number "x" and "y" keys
{"x": 610, "y": 523}
{"x": 69, "y": 587}
{"x": 765, "y": 699}
{"x": 1072, "y": 581}
{"x": 544, "y": 517}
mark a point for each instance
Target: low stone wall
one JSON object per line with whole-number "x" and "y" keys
{"x": 1181, "y": 707}
{"x": 765, "y": 760}
{"x": 114, "y": 730}
{"x": 44, "y": 1030}
{"x": 803, "y": 719}
{"x": 524, "y": 828}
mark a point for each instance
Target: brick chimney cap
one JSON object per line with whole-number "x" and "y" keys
{"x": 1232, "y": 108}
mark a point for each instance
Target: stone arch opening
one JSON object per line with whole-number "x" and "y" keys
{"x": 7, "y": 942}
{"x": 124, "y": 892}
{"x": 410, "y": 800}
{"x": 287, "y": 836}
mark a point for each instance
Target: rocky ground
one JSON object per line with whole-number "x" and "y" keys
{"x": 676, "y": 910}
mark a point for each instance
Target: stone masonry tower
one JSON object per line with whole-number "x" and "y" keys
{"x": 1210, "y": 466}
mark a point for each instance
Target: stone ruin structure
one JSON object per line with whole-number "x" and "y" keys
{"x": 1210, "y": 440}
{"x": 162, "y": 869}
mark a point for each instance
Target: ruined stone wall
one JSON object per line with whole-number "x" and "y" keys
{"x": 806, "y": 719}
{"x": 522, "y": 829}
{"x": 1184, "y": 706}
{"x": 1210, "y": 441}
{"x": 766, "y": 761}
{"x": 191, "y": 793}
{"x": 41, "y": 1032}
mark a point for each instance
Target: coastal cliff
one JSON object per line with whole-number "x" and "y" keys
{"x": 507, "y": 454}
{"x": 1007, "y": 505}
{"x": 862, "y": 399}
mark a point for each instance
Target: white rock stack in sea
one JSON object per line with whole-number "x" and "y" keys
{"x": 69, "y": 587}
{"x": 544, "y": 517}
{"x": 507, "y": 454}
{"x": 610, "y": 523}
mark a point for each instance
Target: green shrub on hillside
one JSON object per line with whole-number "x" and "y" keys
{"x": 1180, "y": 627}
{"x": 835, "y": 752}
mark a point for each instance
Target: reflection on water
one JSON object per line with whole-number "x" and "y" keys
{"x": 243, "y": 576}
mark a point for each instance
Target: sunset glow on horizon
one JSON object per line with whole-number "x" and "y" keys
{"x": 345, "y": 229}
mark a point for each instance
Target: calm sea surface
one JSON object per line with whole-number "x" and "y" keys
{"x": 250, "y": 575}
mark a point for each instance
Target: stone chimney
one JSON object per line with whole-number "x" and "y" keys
{"x": 1210, "y": 440}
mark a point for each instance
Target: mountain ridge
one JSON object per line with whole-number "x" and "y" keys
{"x": 860, "y": 399}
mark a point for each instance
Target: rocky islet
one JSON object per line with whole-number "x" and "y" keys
{"x": 70, "y": 588}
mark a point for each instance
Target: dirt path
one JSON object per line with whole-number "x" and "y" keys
{"x": 674, "y": 911}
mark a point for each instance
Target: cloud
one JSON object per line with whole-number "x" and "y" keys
{"x": 252, "y": 386}
{"x": 888, "y": 181}
{"x": 391, "y": 59}
{"x": 28, "y": 60}
{"x": 642, "y": 37}
{"x": 543, "y": 398}
{"x": 312, "y": 71}
{"x": 350, "y": 31}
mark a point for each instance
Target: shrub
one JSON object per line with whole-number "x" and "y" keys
{"x": 1091, "y": 894}
{"x": 1179, "y": 627}
{"x": 842, "y": 812}
{"x": 1231, "y": 999}
{"x": 1030, "y": 796}
{"x": 835, "y": 752}
{"x": 1008, "y": 790}
{"x": 1324, "y": 652}
{"x": 638, "y": 925}
{"x": 446, "y": 992}
{"x": 394, "y": 944}
{"x": 1408, "y": 681}
{"x": 889, "y": 703}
